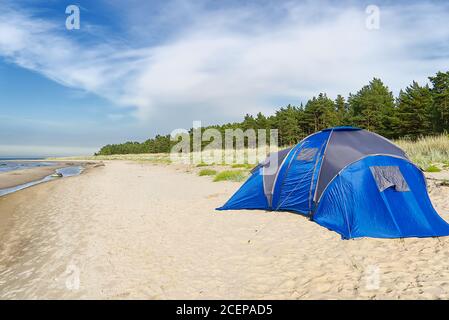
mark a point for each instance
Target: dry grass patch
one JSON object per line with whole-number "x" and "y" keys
{"x": 427, "y": 151}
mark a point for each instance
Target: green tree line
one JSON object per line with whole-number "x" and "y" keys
{"x": 417, "y": 111}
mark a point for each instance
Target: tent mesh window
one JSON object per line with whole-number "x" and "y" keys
{"x": 389, "y": 176}
{"x": 307, "y": 154}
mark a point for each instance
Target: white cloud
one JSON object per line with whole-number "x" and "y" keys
{"x": 227, "y": 62}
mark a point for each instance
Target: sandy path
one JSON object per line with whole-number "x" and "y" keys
{"x": 141, "y": 231}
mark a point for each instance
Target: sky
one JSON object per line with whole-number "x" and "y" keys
{"x": 137, "y": 68}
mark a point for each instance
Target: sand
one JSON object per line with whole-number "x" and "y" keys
{"x": 18, "y": 177}
{"x": 130, "y": 230}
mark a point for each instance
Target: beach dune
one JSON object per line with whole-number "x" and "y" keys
{"x": 130, "y": 230}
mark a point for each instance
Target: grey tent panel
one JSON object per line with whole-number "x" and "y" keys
{"x": 389, "y": 176}
{"x": 266, "y": 162}
{"x": 271, "y": 167}
{"x": 346, "y": 147}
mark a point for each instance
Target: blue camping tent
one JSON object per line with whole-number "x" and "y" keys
{"x": 349, "y": 180}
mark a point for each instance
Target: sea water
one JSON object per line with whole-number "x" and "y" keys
{"x": 12, "y": 165}
{"x": 66, "y": 172}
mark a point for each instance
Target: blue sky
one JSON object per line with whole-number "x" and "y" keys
{"x": 137, "y": 68}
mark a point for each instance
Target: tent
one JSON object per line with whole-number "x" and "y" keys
{"x": 352, "y": 181}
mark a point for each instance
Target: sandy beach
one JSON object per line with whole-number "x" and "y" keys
{"x": 130, "y": 230}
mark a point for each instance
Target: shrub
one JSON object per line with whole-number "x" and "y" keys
{"x": 202, "y": 164}
{"x": 432, "y": 168}
{"x": 207, "y": 172}
{"x": 231, "y": 175}
{"x": 243, "y": 165}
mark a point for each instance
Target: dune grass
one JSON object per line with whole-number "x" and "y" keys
{"x": 231, "y": 175}
{"x": 427, "y": 151}
{"x": 432, "y": 168}
{"x": 207, "y": 172}
{"x": 202, "y": 164}
{"x": 243, "y": 165}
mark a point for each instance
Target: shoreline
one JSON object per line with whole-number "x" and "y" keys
{"x": 16, "y": 178}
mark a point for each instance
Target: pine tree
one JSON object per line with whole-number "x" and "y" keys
{"x": 320, "y": 113}
{"x": 261, "y": 121}
{"x": 414, "y": 111}
{"x": 287, "y": 122}
{"x": 249, "y": 122}
{"x": 341, "y": 108}
{"x": 440, "y": 94}
{"x": 373, "y": 108}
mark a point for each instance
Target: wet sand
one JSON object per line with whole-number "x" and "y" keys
{"x": 130, "y": 230}
{"x": 18, "y": 177}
